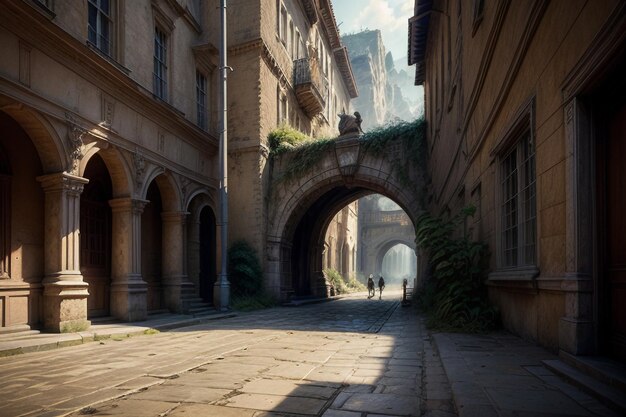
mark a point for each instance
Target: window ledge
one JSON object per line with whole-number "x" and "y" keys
{"x": 529, "y": 273}
{"x": 108, "y": 58}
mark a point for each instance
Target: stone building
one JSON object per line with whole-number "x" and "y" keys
{"x": 525, "y": 104}
{"x": 108, "y": 143}
{"x": 290, "y": 66}
{"x": 341, "y": 242}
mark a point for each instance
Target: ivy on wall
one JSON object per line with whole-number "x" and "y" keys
{"x": 456, "y": 296}
{"x": 305, "y": 152}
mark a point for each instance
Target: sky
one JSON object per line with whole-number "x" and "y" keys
{"x": 390, "y": 16}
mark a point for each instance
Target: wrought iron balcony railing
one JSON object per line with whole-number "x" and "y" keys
{"x": 311, "y": 85}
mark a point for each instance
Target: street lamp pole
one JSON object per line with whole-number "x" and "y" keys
{"x": 221, "y": 289}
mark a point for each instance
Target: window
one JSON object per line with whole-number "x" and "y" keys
{"x": 201, "y": 100}
{"x": 160, "y": 64}
{"x": 282, "y": 25}
{"x": 282, "y": 110}
{"x": 292, "y": 40}
{"x": 518, "y": 204}
{"x": 99, "y": 24}
{"x": 298, "y": 46}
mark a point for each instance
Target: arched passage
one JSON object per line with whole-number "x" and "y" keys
{"x": 397, "y": 261}
{"x": 302, "y": 243}
{"x": 21, "y": 226}
{"x": 152, "y": 247}
{"x": 202, "y": 246}
{"x": 96, "y": 236}
{"x": 301, "y": 208}
{"x": 162, "y": 243}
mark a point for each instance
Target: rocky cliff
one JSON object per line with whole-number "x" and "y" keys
{"x": 380, "y": 84}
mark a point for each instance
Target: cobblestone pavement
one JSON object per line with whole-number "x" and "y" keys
{"x": 348, "y": 358}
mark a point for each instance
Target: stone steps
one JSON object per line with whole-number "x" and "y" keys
{"x": 607, "y": 389}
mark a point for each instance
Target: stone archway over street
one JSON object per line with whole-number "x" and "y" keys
{"x": 300, "y": 208}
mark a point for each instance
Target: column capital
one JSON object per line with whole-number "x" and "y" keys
{"x": 62, "y": 181}
{"x": 127, "y": 204}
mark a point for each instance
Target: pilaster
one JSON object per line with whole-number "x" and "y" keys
{"x": 65, "y": 292}
{"x": 576, "y": 328}
{"x": 128, "y": 289}
{"x": 173, "y": 250}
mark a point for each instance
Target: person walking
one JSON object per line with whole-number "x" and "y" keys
{"x": 370, "y": 286}
{"x": 381, "y": 286}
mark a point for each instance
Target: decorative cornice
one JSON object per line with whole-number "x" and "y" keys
{"x": 345, "y": 68}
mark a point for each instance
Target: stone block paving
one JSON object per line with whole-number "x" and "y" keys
{"x": 502, "y": 375}
{"x": 352, "y": 357}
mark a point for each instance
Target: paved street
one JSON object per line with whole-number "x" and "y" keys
{"x": 342, "y": 358}
{"x": 352, "y": 357}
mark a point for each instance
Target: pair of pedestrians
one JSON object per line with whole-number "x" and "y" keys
{"x": 371, "y": 291}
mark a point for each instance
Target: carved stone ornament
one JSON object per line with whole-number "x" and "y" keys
{"x": 184, "y": 184}
{"x": 349, "y": 124}
{"x": 140, "y": 167}
{"x": 75, "y": 135}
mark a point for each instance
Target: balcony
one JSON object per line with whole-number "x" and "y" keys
{"x": 311, "y": 86}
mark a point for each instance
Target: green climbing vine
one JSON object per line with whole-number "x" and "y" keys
{"x": 411, "y": 138}
{"x": 305, "y": 151}
{"x": 456, "y": 297}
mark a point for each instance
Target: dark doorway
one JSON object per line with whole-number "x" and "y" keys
{"x": 95, "y": 236}
{"x": 151, "y": 247}
{"x": 610, "y": 106}
{"x": 208, "y": 248}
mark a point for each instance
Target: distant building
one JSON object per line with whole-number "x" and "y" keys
{"x": 525, "y": 105}
{"x": 341, "y": 241}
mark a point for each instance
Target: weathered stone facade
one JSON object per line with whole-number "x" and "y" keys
{"x": 290, "y": 67}
{"x": 108, "y": 143}
{"x": 341, "y": 242}
{"x": 522, "y": 103}
{"x": 101, "y": 171}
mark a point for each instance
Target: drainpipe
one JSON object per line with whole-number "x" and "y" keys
{"x": 221, "y": 289}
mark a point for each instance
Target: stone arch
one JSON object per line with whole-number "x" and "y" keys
{"x": 202, "y": 244}
{"x": 22, "y": 221}
{"x": 119, "y": 170}
{"x": 50, "y": 146}
{"x": 295, "y": 249}
{"x": 170, "y": 192}
{"x": 382, "y": 249}
{"x": 300, "y": 209}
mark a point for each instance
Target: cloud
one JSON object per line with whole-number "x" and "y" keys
{"x": 390, "y": 16}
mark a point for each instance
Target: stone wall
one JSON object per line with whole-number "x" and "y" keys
{"x": 485, "y": 74}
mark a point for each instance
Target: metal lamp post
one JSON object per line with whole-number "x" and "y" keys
{"x": 221, "y": 289}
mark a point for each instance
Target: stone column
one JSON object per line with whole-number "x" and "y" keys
{"x": 129, "y": 292}
{"x": 173, "y": 248}
{"x": 576, "y": 328}
{"x": 65, "y": 292}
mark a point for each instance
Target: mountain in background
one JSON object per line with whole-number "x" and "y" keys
{"x": 386, "y": 90}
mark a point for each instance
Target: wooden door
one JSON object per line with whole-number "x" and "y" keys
{"x": 615, "y": 264}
